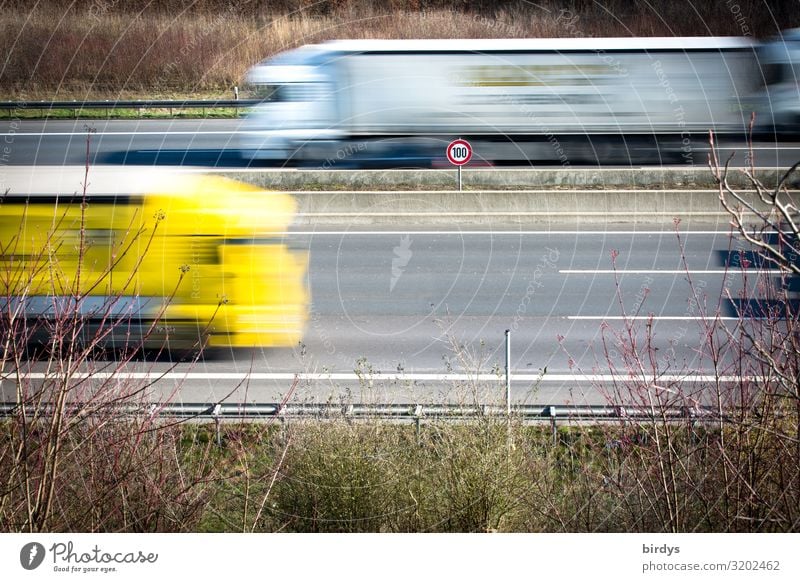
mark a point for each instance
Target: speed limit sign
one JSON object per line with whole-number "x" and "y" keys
{"x": 459, "y": 152}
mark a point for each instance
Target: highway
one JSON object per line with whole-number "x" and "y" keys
{"x": 397, "y": 310}
{"x": 213, "y": 143}
{"x": 404, "y": 311}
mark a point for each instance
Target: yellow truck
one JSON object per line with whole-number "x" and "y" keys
{"x": 197, "y": 261}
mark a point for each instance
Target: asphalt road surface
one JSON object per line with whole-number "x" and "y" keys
{"x": 405, "y": 315}
{"x": 214, "y": 143}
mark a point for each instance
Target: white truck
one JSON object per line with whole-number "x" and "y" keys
{"x": 580, "y": 100}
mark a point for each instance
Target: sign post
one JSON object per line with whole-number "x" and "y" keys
{"x": 459, "y": 152}
{"x": 508, "y": 372}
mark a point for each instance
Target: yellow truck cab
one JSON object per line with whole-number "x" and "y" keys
{"x": 198, "y": 260}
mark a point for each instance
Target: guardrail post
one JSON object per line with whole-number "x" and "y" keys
{"x": 418, "y": 422}
{"x": 553, "y": 427}
{"x": 621, "y": 414}
{"x": 689, "y": 413}
{"x": 216, "y": 414}
{"x": 508, "y": 389}
{"x": 508, "y": 372}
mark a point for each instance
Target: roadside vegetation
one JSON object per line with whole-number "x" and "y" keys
{"x": 69, "y": 111}
{"x": 103, "y": 49}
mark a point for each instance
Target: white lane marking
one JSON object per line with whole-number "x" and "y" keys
{"x": 255, "y": 132}
{"x": 744, "y": 147}
{"x": 731, "y": 271}
{"x": 708, "y": 191}
{"x": 509, "y": 213}
{"x": 128, "y": 133}
{"x": 654, "y": 318}
{"x": 498, "y": 232}
{"x": 246, "y": 376}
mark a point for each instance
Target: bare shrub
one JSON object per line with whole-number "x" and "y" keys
{"x": 116, "y": 50}
{"x": 81, "y": 448}
{"x": 473, "y": 478}
{"x": 731, "y": 460}
{"x": 336, "y": 477}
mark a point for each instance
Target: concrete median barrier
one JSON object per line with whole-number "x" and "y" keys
{"x": 428, "y": 196}
{"x": 491, "y": 196}
{"x": 658, "y": 178}
{"x": 524, "y": 206}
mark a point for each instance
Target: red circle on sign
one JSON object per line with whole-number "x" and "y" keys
{"x": 459, "y": 152}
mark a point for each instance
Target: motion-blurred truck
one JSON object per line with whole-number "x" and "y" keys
{"x": 345, "y": 104}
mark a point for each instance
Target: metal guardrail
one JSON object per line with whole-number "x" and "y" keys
{"x": 403, "y": 412}
{"x": 14, "y": 107}
{"x": 399, "y": 413}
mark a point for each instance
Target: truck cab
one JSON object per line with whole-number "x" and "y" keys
{"x": 779, "y": 107}
{"x": 297, "y": 105}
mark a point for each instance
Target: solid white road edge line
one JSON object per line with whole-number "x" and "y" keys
{"x": 250, "y": 376}
{"x": 731, "y": 271}
{"x": 655, "y": 318}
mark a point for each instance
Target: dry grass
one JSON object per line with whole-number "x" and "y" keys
{"x": 107, "y": 49}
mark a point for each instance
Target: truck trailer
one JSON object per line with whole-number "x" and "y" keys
{"x": 354, "y": 103}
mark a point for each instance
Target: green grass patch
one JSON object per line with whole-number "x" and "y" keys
{"x": 124, "y": 113}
